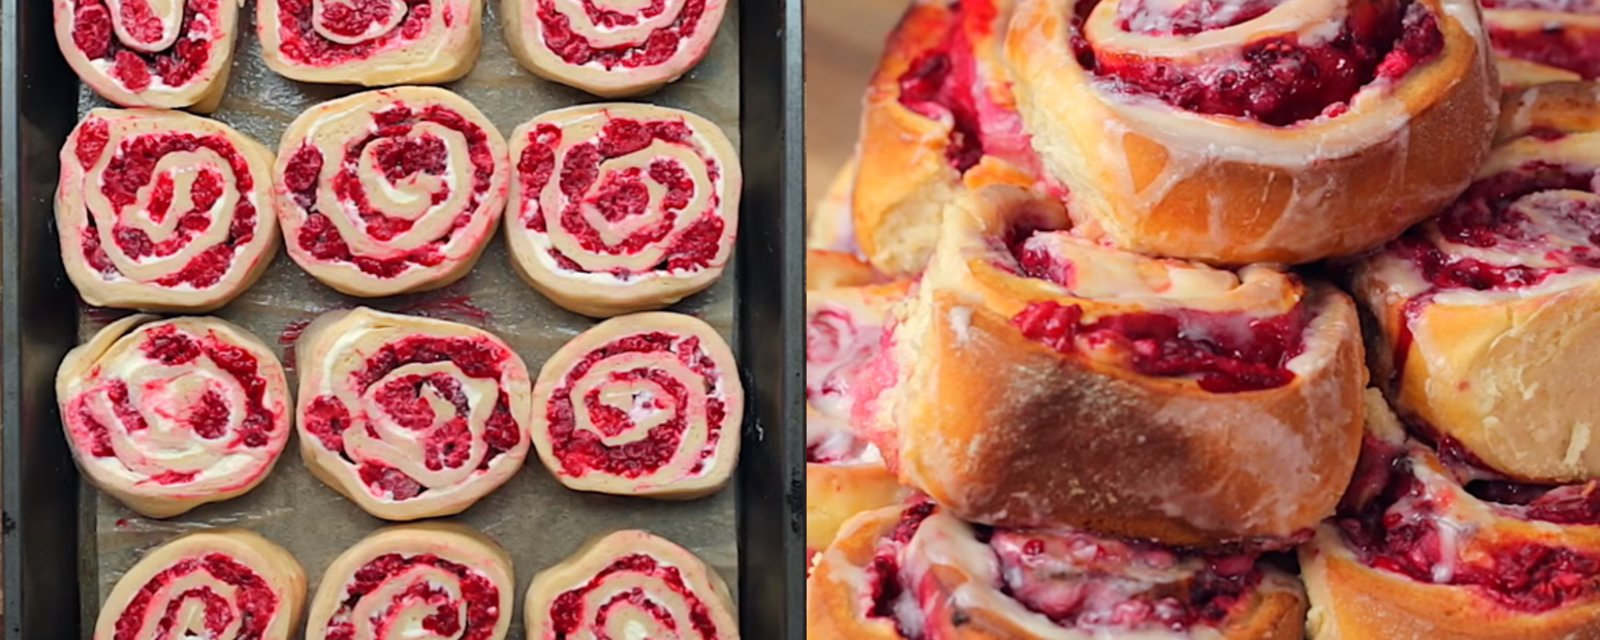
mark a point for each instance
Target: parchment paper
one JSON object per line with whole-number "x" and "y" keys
{"x": 532, "y": 516}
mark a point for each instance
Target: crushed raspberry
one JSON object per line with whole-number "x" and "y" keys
{"x": 1564, "y": 504}
{"x": 883, "y": 575}
{"x": 92, "y": 137}
{"x": 1576, "y": 50}
{"x": 253, "y": 602}
{"x": 388, "y": 482}
{"x": 656, "y": 48}
{"x": 581, "y": 451}
{"x": 610, "y": 18}
{"x": 472, "y": 617}
{"x": 568, "y": 613}
{"x": 169, "y": 346}
{"x": 326, "y": 419}
{"x": 1276, "y": 80}
{"x": 942, "y": 82}
{"x": 93, "y": 35}
{"x": 302, "y": 43}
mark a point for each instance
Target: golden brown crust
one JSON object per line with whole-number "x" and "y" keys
{"x": 1004, "y": 430}
{"x": 830, "y": 224}
{"x": 836, "y": 493}
{"x": 1158, "y": 180}
{"x": 833, "y": 269}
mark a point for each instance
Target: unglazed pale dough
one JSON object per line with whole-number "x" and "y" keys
{"x": 443, "y": 50}
{"x": 647, "y": 405}
{"x": 336, "y": 346}
{"x": 525, "y": 35}
{"x": 201, "y": 93}
{"x": 451, "y": 542}
{"x": 163, "y": 396}
{"x": 706, "y": 156}
{"x": 630, "y": 619}
{"x": 333, "y": 127}
{"x": 279, "y": 570}
{"x": 136, "y": 282}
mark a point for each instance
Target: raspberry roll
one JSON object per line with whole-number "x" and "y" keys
{"x": 846, "y": 304}
{"x": 391, "y": 191}
{"x": 630, "y": 584}
{"x": 830, "y": 225}
{"x": 648, "y": 404}
{"x": 1041, "y": 379}
{"x": 916, "y": 571}
{"x": 163, "y": 211}
{"x": 1544, "y": 40}
{"x": 1486, "y": 311}
{"x": 370, "y": 42}
{"x": 939, "y": 117}
{"x": 611, "y": 48}
{"x": 432, "y": 580}
{"x": 1255, "y": 130}
{"x": 222, "y": 584}
{"x": 168, "y": 415}
{"x": 172, "y": 54}
{"x": 410, "y": 417}
{"x": 621, "y": 207}
{"x": 1422, "y": 551}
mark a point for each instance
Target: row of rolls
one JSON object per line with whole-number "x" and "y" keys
{"x": 433, "y": 580}
{"x": 179, "y": 53}
{"x": 608, "y": 208}
{"x": 1240, "y": 319}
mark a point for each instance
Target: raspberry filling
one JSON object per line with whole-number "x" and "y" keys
{"x": 362, "y": 28}
{"x": 569, "y": 611}
{"x": 1395, "y": 523}
{"x": 94, "y": 35}
{"x": 646, "y": 50}
{"x": 582, "y": 451}
{"x": 448, "y": 442}
{"x": 132, "y": 169}
{"x": 887, "y": 592}
{"x": 252, "y": 607}
{"x": 471, "y": 615}
{"x": 1554, "y": 44}
{"x": 1278, "y": 80}
{"x": 623, "y": 194}
{"x": 402, "y": 155}
{"x": 207, "y": 416}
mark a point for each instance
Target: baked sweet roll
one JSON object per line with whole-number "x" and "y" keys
{"x": 916, "y": 571}
{"x": 830, "y": 225}
{"x": 410, "y": 417}
{"x": 611, "y": 48}
{"x": 163, "y": 211}
{"x": 1422, "y": 551}
{"x": 648, "y": 404}
{"x": 1255, "y": 130}
{"x": 939, "y": 117}
{"x": 621, "y": 207}
{"x": 630, "y": 584}
{"x": 391, "y": 191}
{"x": 432, "y": 580}
{"x": 1485, "y": 311}
{"x": 168, "y": 415}
{"x": 1040, "y": 379}
{"x": 172, "y": 54}
{"x": 846, "y": 305}
{"x": 1544, "y": 40}
{"x": 222, "y": 584}
{"x": 370, "y": 42}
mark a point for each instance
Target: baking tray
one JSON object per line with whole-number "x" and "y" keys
{"x": 50, "y": 542}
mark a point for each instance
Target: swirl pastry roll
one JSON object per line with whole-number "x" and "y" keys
{"x": 647, "y": 404}
{"x": 391, "y": 191}
{"x": 611, "y": 48}
{"x": 172, "y": 54}
{"x": 846, "y": 305}
{"x": 431, "y": 580}
{"x": 410, "y": 417}
{"x": 222, "y": 584}
{"x": 939, "y": 118}
{"x": 916, "y": 571}
{"x": 1040, "y": 379}
{"x": 163, "y": 211}
{"x": 370, "y": 42}
{"x": 1421, "y": 552}
{"x": 1543, "y": 41}
{"x": 621, "y": 207}
{"x": 831, "y": 225}
{"x": 630, "y": 584}
{"x": 168, "y": 415}
{"x": 1489, "y": 313}
{"x": 1255, "y": 130}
